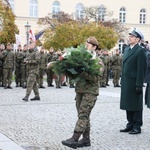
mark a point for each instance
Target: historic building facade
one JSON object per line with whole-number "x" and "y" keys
{"x": 129, "y": 13}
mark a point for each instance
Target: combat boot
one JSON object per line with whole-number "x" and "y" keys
{"x": 41, "y": 86}
{"x": 85, "y": 141}
{"x": 73, "y": 141}
{"x": 25, "y": 98}
{"x": 36, "y": 98}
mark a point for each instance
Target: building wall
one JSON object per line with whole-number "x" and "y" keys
{"x": 133, "y": 7}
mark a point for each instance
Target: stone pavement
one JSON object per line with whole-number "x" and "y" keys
{"x": 42, "y": 125}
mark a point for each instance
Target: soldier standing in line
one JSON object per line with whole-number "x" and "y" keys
{"x": 18, "y": 67}
{"x": 2, "y": 48}
{"x": 8, "y": 64}
{"x": 32, "y": 61}
{"x": 86, "y": 96}
{"x": 42, "y": 66}
{"x": 105, "y": 60}
{"x": 116, "y": 63}
{"x": 49, "y": 71}
{"x": 23, "y": 70}
{"x": 58, "y": 77}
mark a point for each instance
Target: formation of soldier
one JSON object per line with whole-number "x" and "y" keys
{"x": 14, "y": 61}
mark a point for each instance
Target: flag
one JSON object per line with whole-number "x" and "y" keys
{"x": 18, "y": 39}
{"x": 38, "y": 35}
{"x": 31, "y": 36}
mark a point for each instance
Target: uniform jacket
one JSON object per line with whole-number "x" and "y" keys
{"x": 43, "y": 60}
{"x": 147, "y": 77}
{"x": 8, "y": 59}
{"x": 133, "y": 73}
{"x": 116, "y": 62}
{"x": 33, "y": 59}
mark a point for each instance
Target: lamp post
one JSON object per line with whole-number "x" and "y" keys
{"x": 27, "y": 29}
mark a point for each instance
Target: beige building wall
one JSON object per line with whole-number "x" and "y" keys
{"x": 133, "y": 7}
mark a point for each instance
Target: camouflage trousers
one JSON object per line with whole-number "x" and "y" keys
{"x": 18, "y": 75}
{"x": 116, "y": 76}
{"x": 50, "y": 75}
{"x": 23, "y": 75}
{"x": 1, "y": 74}
{"x": 32, "y": 84}
{"x": 41, "y": 75}
{"x": 84, "y": 105}
{"x": 7, "y": 76}
{"x": 104, "y": 77}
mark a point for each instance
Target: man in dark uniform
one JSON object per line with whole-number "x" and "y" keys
{"x": 133, "y": 73}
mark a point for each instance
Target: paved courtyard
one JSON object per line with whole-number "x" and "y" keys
{"x": 42, "y": 125}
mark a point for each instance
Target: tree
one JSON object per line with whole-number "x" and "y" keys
{"x": 73, "y": 33}
{"x": 8, "y": 27}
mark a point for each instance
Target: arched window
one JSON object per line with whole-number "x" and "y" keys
{"x": 142, "y": 16}
{"x": 102, "y": 12}
{"x": 11, "y": 2}
{"x": 55, "y": 7}
{"x": 79, "y": 11}
{"x": 122, "y": 15}
{"x": 33, "y": 8}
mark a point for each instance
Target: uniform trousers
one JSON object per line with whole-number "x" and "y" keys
{"x": 134, "y": 119}
{"x": 32, "y": 84}
{"x": 84, "y": 105}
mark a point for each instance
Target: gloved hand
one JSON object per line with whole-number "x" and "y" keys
{"x": 139, "y": 90}
{"x": 79, "y": 70}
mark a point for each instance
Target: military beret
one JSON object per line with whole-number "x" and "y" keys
{"x": 137, "y": 33}
{"x": 92, "y": 40}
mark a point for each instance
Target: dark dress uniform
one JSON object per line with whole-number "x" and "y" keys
{"x": 133, "y": 73}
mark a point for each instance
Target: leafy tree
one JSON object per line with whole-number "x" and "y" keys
{"x": 73, "y": 33}
{"x": 8, "y": 27}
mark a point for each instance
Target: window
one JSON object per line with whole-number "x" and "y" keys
{"x": 11, "y": 2}
{"x": 121, "y": 46}
{"x": 56, "y": 7}
{"x": 142, "y": 16}
{"x": 79, "y": 11}
{"x": 33, "y": 8}
{"x": 102, "y": 12}
{"x": 122, "y": 15}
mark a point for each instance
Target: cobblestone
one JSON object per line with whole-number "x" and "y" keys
{"x": 42, "y": 125}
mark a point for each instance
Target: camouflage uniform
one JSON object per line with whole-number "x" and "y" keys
{"x": 116, "y": 62}
{"x": 49, "y": 71}
{"x": 32, "y": 60}
{"x": 106, "y": 61}
{"x": 58, "y": 77}
{"x": 42, "y": 67}
{"x": 17, "y": 69}
{"x": 86, "y": 95}
{"x": 1, "y": 68}
{"x": 23, "y": 71}
{"x": 8, "y": 64}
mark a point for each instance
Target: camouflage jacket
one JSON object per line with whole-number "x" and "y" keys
{"x": 87, "y": 84}
{"x": 50, "y": 57}
{"x": 32, "y": 60}
{"x": 116, "y": 61}
{"x": 8, "y": 59}
{"x": 43, "y": 61}
{"x": 21, "y": 57}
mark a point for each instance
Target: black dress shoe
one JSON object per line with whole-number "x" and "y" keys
{"x": 135, "y": 131}
{"x": 125, "y": 130}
